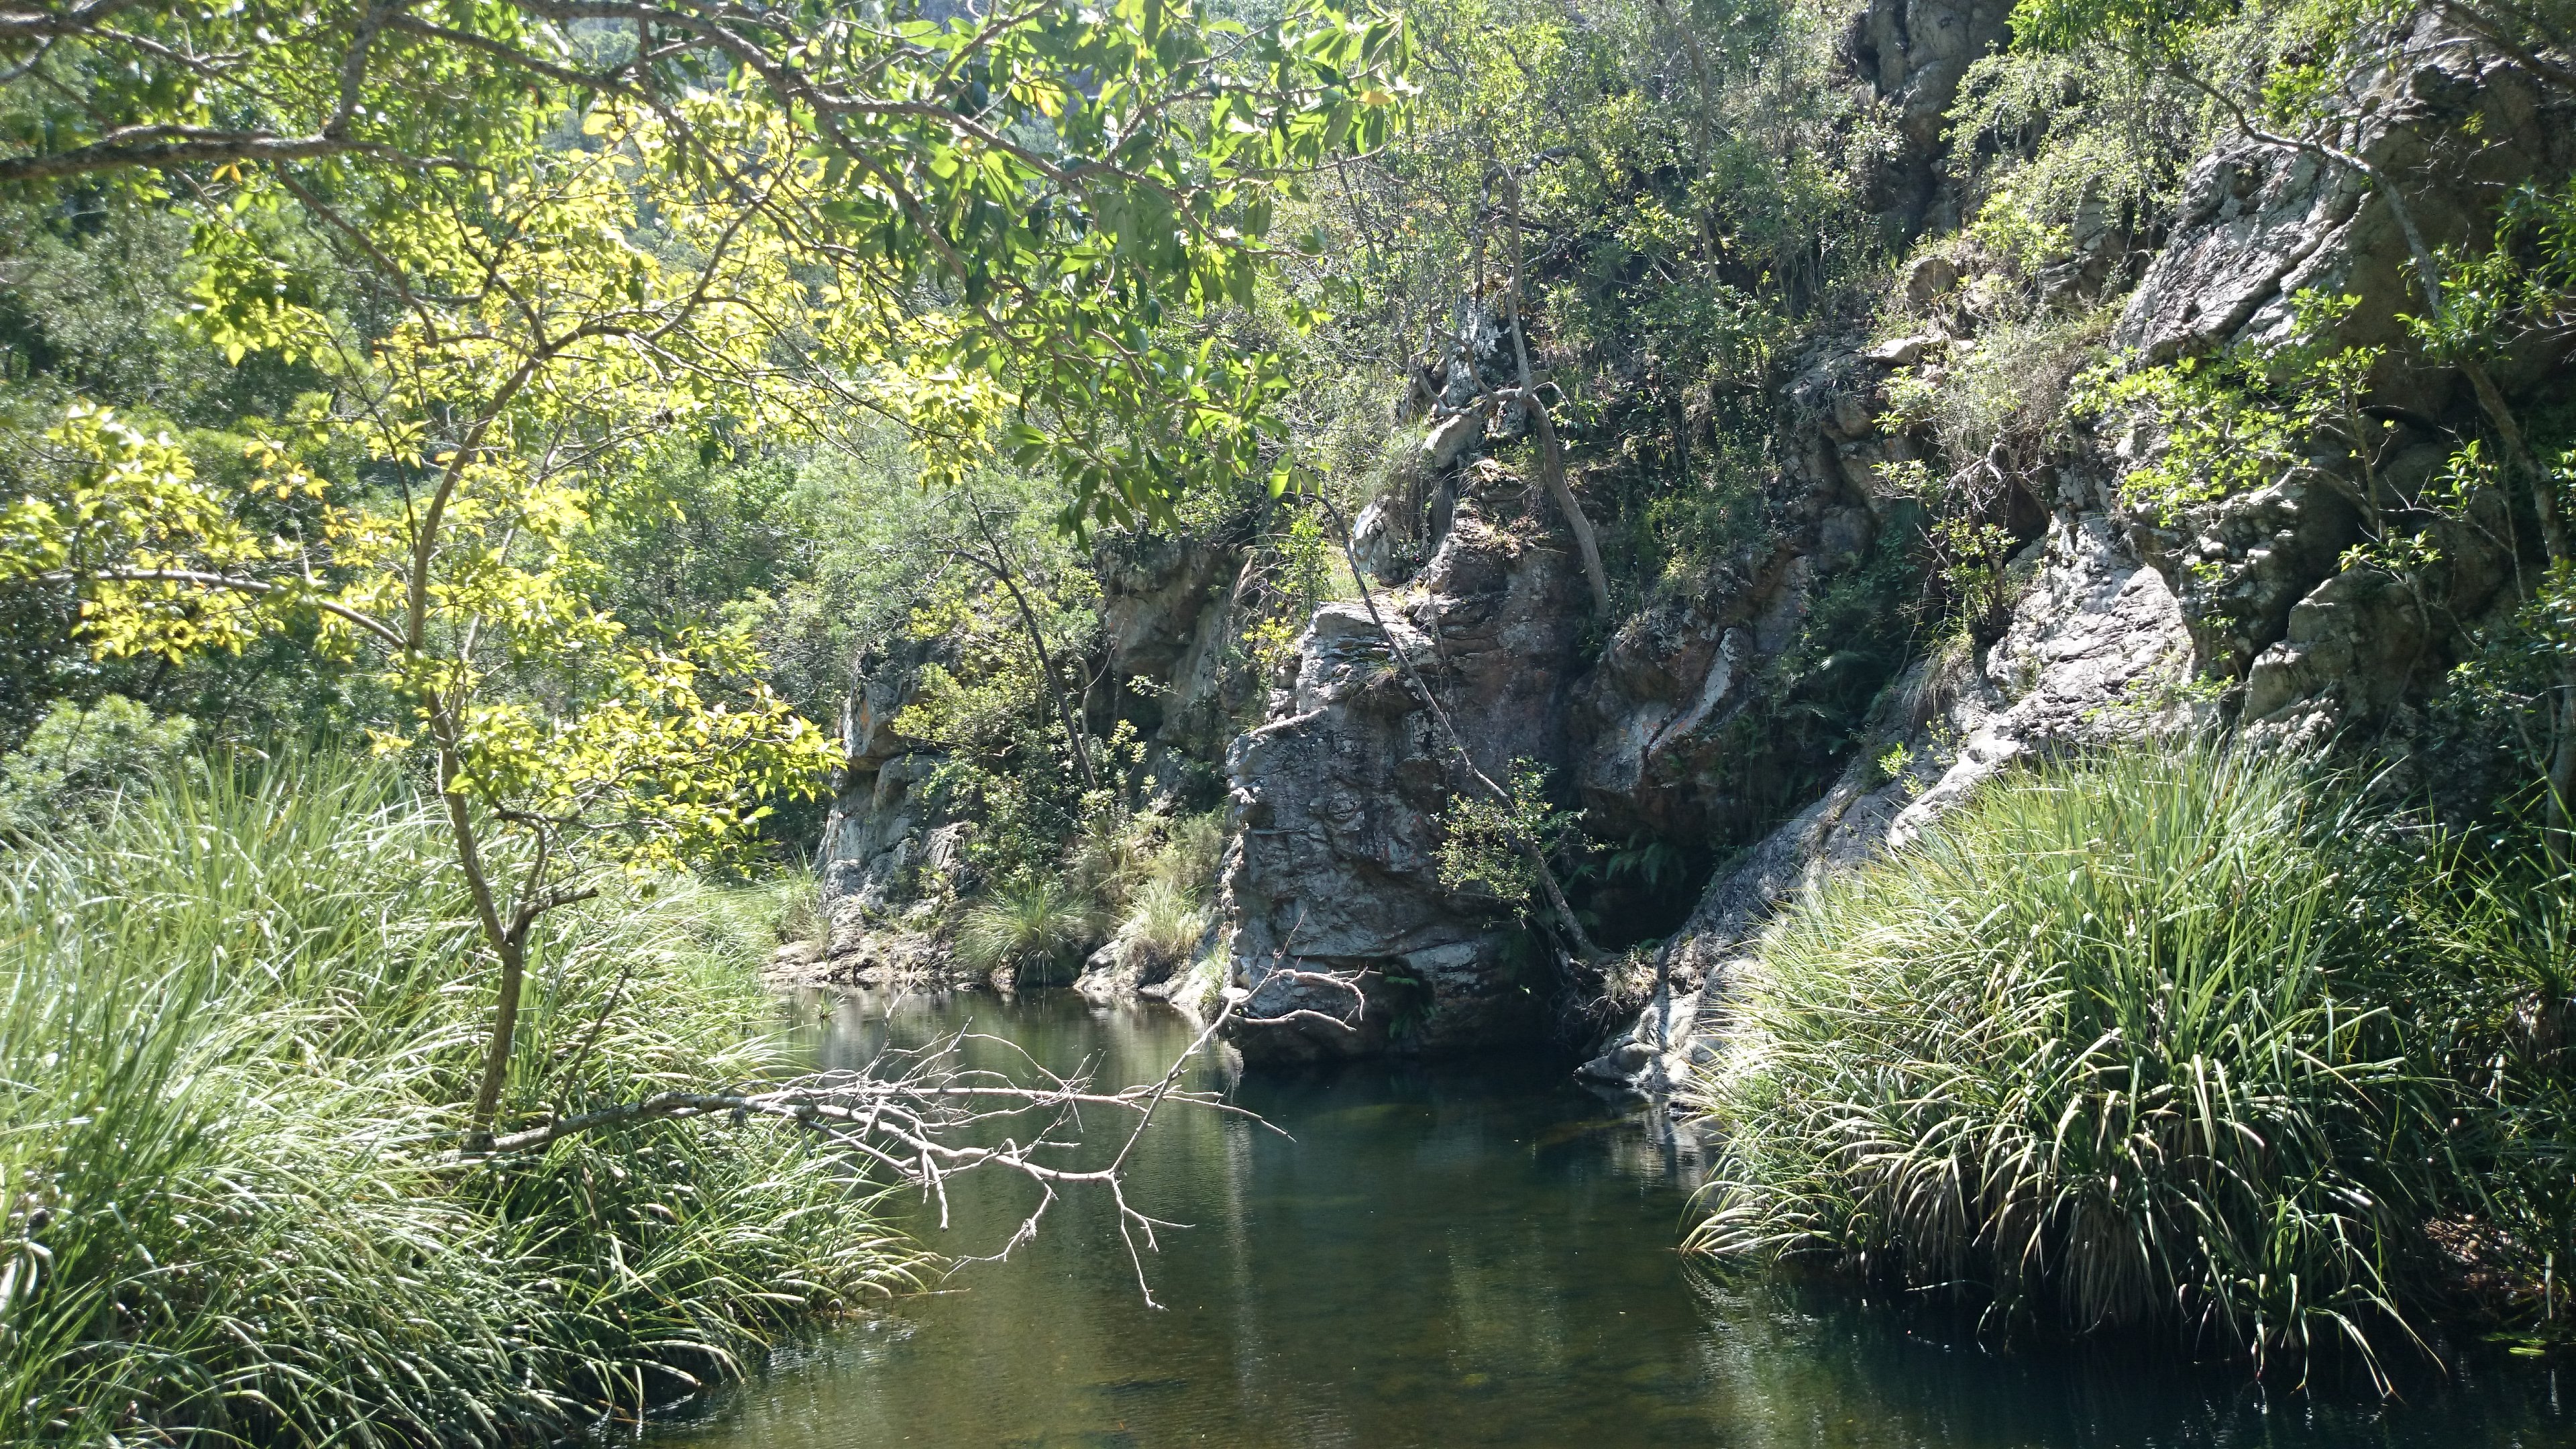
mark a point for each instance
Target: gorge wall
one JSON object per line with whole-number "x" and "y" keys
{"x": 1678, "y": 723}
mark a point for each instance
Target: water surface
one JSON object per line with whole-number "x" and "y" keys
{"x": 1469, "y": 1254}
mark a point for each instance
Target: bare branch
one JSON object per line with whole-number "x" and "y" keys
{"x": 227, "y": 582}
{"x": 923, "y": 1117}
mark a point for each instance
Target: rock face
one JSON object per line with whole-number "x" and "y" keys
{"x": 1913, "y": 53}
{"x": 2453, "y": 125}
{"x": 1163, "y": 615}
{"x": 1342, "y": 932}
{"x": 2244, "y": 609}
{"x": 879, "y": 834}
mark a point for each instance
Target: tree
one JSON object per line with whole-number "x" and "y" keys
{"x": 1056, "y": 185}
{"x": 597, "y": 230}
{"x": 548, "y": 343}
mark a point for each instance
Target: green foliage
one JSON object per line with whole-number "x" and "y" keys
{"x": 2509, "y": 687}
{"x": 78, "y": 761}
{"x": 1028, "y": 925}
{"x": 1692, "y": 183}
{"x": 2499, "y": 1014}
{"x": 1005, "y": 761}
{"x": 1486, "y": 844}
{"x": 1168, "y": 910}
{"x": 2001, "y": 396}
{"x": 1712, "y": 520}
{"x": 2521, "y": 284}
{"x": 1893, "y": 762}
{"x": 921, "y": 158}
{"x": 2229, "y": 424}
{"x": 1297, "y": 568}
{"x": 2164, "y": 1038}
{"x": 2057, "y": 141}
{"x": 232, "y": 1048}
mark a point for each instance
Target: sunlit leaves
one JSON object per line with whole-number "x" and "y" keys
{"x": 2225, "y": 425}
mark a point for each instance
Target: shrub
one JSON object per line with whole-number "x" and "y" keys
{"x": 240, "y": 1020}
{"x": 1192, "y": 848}
{"x": 2110, "y": 1047}
{"x": 76, "y": 760}
{"x": 1031, "y": 925}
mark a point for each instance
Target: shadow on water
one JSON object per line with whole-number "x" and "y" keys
{"x": 1466, "y": 1254}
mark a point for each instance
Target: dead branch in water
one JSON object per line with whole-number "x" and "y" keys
{"x": 923, "y": 1117}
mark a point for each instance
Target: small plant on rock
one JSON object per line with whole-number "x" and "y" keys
{"x": 1493, "y": 847}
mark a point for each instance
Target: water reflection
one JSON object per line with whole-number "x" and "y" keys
{"x": 1472, "y": 1254}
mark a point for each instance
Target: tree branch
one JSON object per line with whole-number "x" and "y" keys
{"x": 378, "y": 628}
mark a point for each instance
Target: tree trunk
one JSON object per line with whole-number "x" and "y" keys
{"x": 504, "y": 942}
{"x": 1551, "y": 452}
{"x": 1551, "y": 469}
{"x": 999, "y": 567}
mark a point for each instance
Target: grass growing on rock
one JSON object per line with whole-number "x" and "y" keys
{"x": 2125, "y": 1043}
{"x": 240, "y": 1014}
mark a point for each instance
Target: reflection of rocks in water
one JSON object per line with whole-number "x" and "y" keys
{"x": 1661, "y": 1144}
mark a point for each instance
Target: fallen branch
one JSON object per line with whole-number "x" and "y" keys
{"x": 923, "y": 1117}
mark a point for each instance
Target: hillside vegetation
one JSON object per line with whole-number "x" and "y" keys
{"x": 1980, "y": 592}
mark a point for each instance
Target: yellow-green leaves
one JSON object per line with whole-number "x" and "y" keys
{"x": 2219, "y": 426}
{"x": 127, "y": 511}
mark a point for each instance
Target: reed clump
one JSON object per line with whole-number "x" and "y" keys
{"x": 241, "y": 1013}
{"x": 2160, "y": 1039}
{"x": 1031, "y": 926}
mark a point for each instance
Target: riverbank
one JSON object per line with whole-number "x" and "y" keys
{"x": 2189, "y": 1041}
{"x": 243, "y": 1015}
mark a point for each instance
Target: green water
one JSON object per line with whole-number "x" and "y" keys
{"x": 1468, "y": 1254}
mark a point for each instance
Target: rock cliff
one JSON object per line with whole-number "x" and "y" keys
{"x": 2118, "y": 623}
{"x": 1770, "y": 719}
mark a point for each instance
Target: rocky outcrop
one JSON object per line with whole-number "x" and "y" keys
{"x": 888, "y": 852}
{"x": 1342, "y": 933}
{"x": 2453, "y": 125}
{"x": 1913, "y": 54}
{"x": 2098, "y": 650}
{"x": 880, "y": 832}
{"x": 1164, "y": 610}
{"x": 2243, "y": 608}
{"x": 1653, "y": 748}
{"x": 1697, "y": 718}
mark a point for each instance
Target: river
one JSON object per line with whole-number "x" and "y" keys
{"x": 1465, "y": 1254}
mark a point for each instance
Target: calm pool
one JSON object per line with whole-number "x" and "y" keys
{"x": 1464, "y": 1254}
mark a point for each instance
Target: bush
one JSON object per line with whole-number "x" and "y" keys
{"x": 1030, "y": 925}
{"x": 76, "y": 761}
{"x": 2113, "y": 1046}
{"x": 241, "y": 1014}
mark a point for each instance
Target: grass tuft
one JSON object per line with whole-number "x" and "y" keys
{"x": 1030, "y": 925}
{"x": 2112, "y": 1047}
{"x": 239, "y": 1013}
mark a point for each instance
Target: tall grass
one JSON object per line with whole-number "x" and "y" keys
{"x": 2122, "y": 1044}
{"x": 1030, "y": 926}
{"x": 239, "y": 1015}
{"x": 1165, "y": 920}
